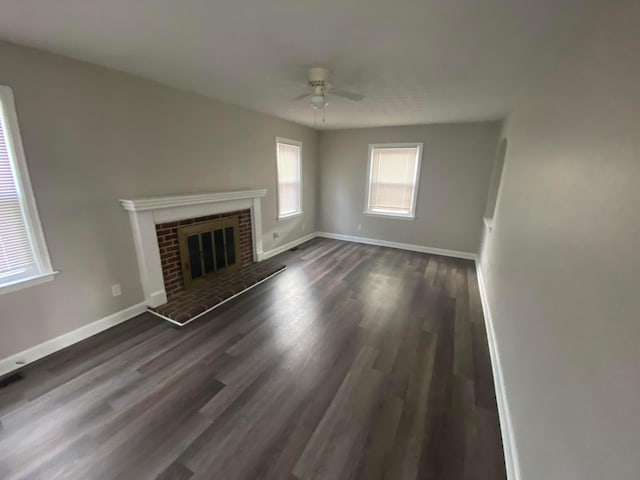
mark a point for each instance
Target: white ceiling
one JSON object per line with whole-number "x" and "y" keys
{"x": 417, "y": 61}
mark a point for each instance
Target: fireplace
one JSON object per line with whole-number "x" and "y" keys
{"x": 155, "y": 222}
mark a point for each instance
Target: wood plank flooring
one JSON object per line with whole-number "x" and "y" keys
{"x": 356, "y": 362}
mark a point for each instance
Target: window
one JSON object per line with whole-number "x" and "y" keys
{"x": 394, "y": 170}
{"x": 289, "y": 177}
{"x": 24, "y": 259}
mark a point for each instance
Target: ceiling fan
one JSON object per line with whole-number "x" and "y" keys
{"x": 320, "y": 87}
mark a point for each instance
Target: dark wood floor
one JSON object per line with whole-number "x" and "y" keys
{"x": 356, "y": 362}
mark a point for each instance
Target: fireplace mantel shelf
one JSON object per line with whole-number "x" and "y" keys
{"x": 169, "y": 201}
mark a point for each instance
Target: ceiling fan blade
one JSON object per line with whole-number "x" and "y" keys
{"x": 356, "y": 97}
{"x": 301, "y": 96}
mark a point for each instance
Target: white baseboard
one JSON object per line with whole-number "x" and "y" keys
{"x": 286, "y": 246}
{"x": 37, "y": 352}
{"x": 368, "y": 241}
{"x": 506, "y": 428}
{"x": 401, "y": 246}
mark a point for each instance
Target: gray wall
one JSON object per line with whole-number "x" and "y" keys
{"x": 457, "y": 162}
{"x": 562, "y": 265}
{"x": 92, "y": 136}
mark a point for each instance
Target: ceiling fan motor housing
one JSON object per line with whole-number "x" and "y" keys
{"x": 318, "y": 77}
{"x": 319, "y": 82}
{"x": 319, "y": 74}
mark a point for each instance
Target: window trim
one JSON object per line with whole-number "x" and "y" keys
{"x": 44, "y": 270}
{"x": 496, "y": 182}
{"x": 414, "y": 199}
{"x": 296, "y": 143}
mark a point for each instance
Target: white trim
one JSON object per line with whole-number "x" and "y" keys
{"x": 27, "y": 282}
{"x": 414, "y": 200}
{"x": 169, "y": 201}
{"x": 289, "y": 141}
{"x": 506, "y": 427}
{"x": 388, "y": 215}
{"x": 291, "y": 215}
{"x": 37, "y": 352}
{"x": 496, "y": 179}
{"x": 217, "y": 305}
{"x": 294, "y": 143}
{"x": 256, "y": 226}
{"x": 29, "y": 208}
{"x": 488, "y": 223}
{"x": 287, "y": 246}
{"x": 401, "y": 246}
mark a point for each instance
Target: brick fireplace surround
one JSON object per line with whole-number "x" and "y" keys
{"x": 167, "y": 234}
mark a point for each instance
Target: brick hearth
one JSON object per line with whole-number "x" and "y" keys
{"x": 189, "y": 304}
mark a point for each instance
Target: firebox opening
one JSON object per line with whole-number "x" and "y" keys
{"x": 208, "y": 248}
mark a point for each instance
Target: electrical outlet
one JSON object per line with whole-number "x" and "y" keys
{"x": 359, "y": 227}
{"x": 275, "y": 235}
{"x": 116, "y": 290}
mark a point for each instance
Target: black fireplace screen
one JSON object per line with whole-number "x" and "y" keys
{"x": 208, "y": 248}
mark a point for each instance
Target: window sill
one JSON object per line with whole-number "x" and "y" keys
{"x": 290, "y": 215}
{"x": 27, "y": 282}
{"x": 389, "y": 215}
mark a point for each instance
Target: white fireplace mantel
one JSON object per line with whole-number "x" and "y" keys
{"x": 146, "y": 213}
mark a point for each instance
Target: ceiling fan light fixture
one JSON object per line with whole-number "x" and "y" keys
{"x": 319, "y": 101}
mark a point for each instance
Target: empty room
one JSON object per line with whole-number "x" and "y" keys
{"x": 298, "y": 240}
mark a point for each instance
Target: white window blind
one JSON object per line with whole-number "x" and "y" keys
{"x": 289, "y": 178}
{"x": 393, "y": 179}
{"x": 23, "y": 254}
{"x": 16, "y": 254}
